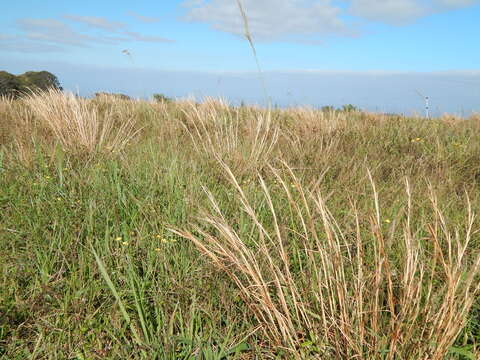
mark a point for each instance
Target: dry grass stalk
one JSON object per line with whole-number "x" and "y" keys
{"x": 221, "y": 131}
{"x": 78, "y": 125}
{"x": 363, "y": 296}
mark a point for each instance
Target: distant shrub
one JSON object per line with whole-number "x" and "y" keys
{"x": 161, "y": 98}
{"x": 328, "y": 108}
{"x": 16, "y": 86}
{"x": 112, "y": 96}
{"x": 9, "y": 84}
{"x": 349, "y": 108}
{"x": 39, "y": 80}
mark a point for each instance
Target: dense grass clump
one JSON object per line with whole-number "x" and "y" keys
{"x": 183, "y": 230}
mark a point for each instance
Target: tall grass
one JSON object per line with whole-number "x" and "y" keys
{"x": 377, "y": 293}
{"x": 217, "y": 131}
{"x": 298, "y": 233}
{"x": 78, "y": 126}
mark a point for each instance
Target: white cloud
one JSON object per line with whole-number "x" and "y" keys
{"x": 15, "y": 43}
{"x": 6, "y": 37}
{"x": 118, "y": 28}
{"x": 456, "y": 3}
{"x": 396, "y": 12}
{"x": 30, "y": 47}
{"x": 306, "y": 20}
{"x": 49, "y": 35}
{"x": 53, "y": 31}
{"x": 97, "y": 22}
{"x": 401, "y": 12}
{"x": 271, "y": 20}
{"x": 146, "y": 38}
{"x": 143, "y": 19}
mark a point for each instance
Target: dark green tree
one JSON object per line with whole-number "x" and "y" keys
{"x": 349, "y": 108}
{"x": 9, "y": 85}
{"x": 161, "y": 98}
{"x": 39, "y": 80}
{"x": 16, "y": 86}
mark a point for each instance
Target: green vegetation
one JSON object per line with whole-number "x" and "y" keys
{"x": 176, "y": 230}
{"x": 112, "y": 95}
{"x": 16, "y": 86}
{"x": 344, "y": 108}
{"x": 349, "y": 108}
{"x": 161, "y": 98}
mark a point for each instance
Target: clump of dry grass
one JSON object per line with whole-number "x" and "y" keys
{"x": 16, "y": 129}
{"x": 11, "y": 121}
{"x": 221, "y": 131}
{"x": 319, "y": 290}
{"x": 78, "y": 125}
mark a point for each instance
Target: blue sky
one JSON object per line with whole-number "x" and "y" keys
{"x": 434, "y": 43}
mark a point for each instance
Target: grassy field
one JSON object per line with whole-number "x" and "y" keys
{"x": 177, "y": 230}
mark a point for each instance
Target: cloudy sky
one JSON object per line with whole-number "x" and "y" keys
{"x": 377, "y": 54}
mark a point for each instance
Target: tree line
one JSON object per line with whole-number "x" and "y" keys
{"x": 15, "y": 86}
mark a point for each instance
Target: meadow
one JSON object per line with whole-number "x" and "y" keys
{"x": 185, "y": 230}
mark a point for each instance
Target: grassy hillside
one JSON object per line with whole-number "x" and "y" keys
{"x": 176, "y": 230}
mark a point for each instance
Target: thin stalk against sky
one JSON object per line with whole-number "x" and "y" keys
{"x": 248, "y": 36}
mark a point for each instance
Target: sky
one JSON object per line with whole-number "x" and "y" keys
{"x": 380, "y": 55}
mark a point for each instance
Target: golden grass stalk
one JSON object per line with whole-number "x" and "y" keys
{"x": 320, "y": 291}
{"x": 249, "y": 38}
{"x": 78, "y": 125}
{"x": 221, "y": 131}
